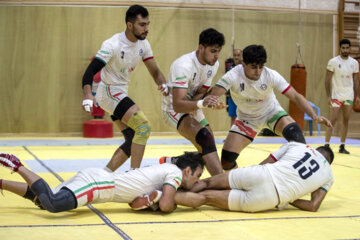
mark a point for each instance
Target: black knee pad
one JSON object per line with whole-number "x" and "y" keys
{"x": 128, "y": 135}
{"x": 206, "y": 140}
{"x": 29, "y": 194}
{"x": 122, "y": 108}
{"x": 32, "y": 197}
{"x": 63, "y": 200}
{"x": 229, "y": 157}
{"x": 292, "y": 132}
{"x": 113, "y": 118}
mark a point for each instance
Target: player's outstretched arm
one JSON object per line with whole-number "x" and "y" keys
{"x": 304, "y": 105}
{"x": 311, "y": 205}
{"x": 94, "y": 67}
{"x": 157, "y": 75}
{"x": 190, "y": 199}
{"x": 217, "y": 91}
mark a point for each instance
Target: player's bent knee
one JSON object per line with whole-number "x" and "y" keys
{"x": 128, "y": 136}
{"x": 206, "y": 140}
{"x": 293, "y": 132}
{"x": 63, "y": 200}
{"x": 228, "y": 159}
{"x": 141, "y": 126}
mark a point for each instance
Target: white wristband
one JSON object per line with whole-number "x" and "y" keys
{"x": 200, "y": 104}
{"x": 166, "y": 88}
{"x": 87, "y": 103}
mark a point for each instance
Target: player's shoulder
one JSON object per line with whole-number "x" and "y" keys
{"x": 353, "y": 60}
{"x": 113, "y": 42}
{"x": 185, "y": 61}
{"x": 236, "y": 72}
{"x": 114, "y": 38}
{"x": 296, "y": 145}
{"x": 270, "y": 71}
{"x": 335, "y": 59}
{"x": 271, "y": 74}
{"x": 170, "y": 166}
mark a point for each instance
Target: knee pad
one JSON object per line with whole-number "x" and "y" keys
{"x": 292, "y": 132}
{"x": 206, "y": 140}
{"x": 122, "y": 108}
{"x": 63, "y": 200}
{"x": 141, "y": 126}
{"x": 29, "y": 194}
{"x": 229, "y": 157}
{"x": 32, "y": 197}
{"x": 128, "y": 135}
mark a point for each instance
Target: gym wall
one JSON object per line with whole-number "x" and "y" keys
{"x": 46, "y": 49}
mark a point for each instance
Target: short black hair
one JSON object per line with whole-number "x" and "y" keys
{"x": 190, "y": 159}
{"x": 211, "y": 37}
{"x": 134, "y": 11}
{"x": 254, "y": 54}
{"x": 327, "y": 152}
{"x": 344, "y": 41}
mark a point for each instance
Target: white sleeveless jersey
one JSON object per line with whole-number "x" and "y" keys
{"x": 121, "y": 57}
{"x": 298, "y": 170}
{"x": 253, "y": 98}
{"x": 342, "y": 79}
{"x": 188, "y": 73}
{"x": 95, "y": 185}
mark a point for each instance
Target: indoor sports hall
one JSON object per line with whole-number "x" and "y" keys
{"x": 47, "y": 45}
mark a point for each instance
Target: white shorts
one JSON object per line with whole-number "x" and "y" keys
{"x": 253, "y": 189}
{"x": 91, "y": 185}
{"x": 172, "y": 118}
{"x": 251, "y": 126}
{"x": 109, "y": 96}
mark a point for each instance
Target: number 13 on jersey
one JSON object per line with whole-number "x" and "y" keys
{"x": 306, "y": 168}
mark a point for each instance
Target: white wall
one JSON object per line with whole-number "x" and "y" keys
{"x": 306, "y": 5}
{"x": 325, "y": 6}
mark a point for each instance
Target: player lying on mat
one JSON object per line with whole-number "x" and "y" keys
{"x": 285, "y": 176}
{"x": 147, "y": 185}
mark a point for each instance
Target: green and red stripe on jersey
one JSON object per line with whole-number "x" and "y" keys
{"x": 89, "y": 189}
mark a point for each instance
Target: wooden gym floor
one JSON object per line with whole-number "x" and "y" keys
{"x": 56, "y": 159}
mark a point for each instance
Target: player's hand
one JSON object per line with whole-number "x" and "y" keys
{"x": 164, "y": 89}
{"x": 323, "y": 120}
{"x": 220, "y": 105}
{"x": 88, "y": 103}
{"x": 210, "y": 101}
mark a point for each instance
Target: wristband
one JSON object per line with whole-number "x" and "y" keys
{"x": 166, "y": 88}
{"x": 200, "y": 104}
{"x": 87, "y": 103}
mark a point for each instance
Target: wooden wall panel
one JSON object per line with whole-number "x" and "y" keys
{"x": 46, "y": 49}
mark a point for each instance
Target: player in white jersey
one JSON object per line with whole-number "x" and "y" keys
{"x": 189, "y": 79}
{"x": 341, "y": 83}
{"x": 158, "y": 183}
{"x": 252, "y": 89}
{"x": 116, "y": 59}
{"x": 284, "y": 177}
